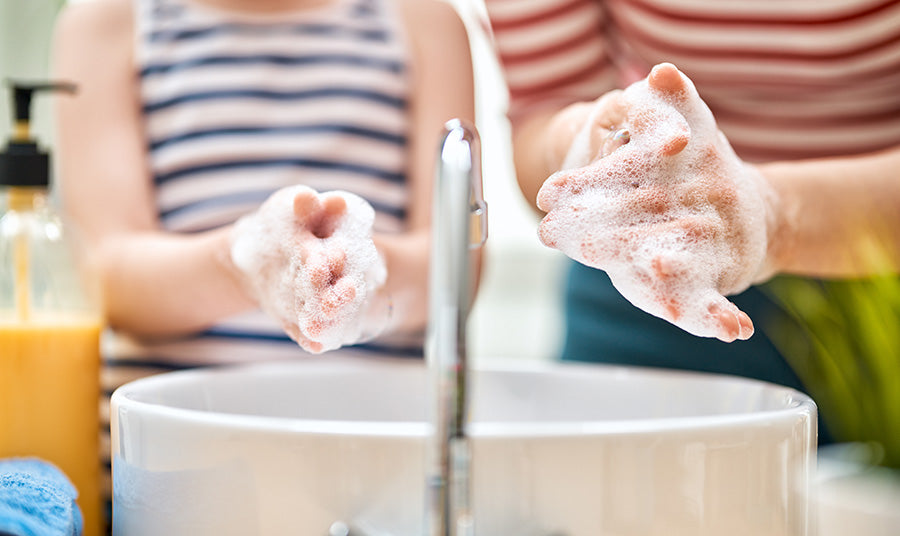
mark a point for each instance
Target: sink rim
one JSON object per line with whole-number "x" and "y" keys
{"x": 122, "y": 400}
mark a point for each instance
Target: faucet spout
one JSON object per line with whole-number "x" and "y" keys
{"x": 459, "y": 223}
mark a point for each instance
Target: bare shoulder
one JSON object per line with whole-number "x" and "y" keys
{"x": 109, "y": 23}
{"x": 431, "y": 20}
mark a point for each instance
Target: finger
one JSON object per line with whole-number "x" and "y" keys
{"x": 307, "y": 206}
{"x": 549, "y": 230}
{"x": 587, "y": 235}
{"x": 334, "y": 207}
{"x": 661, "y": 125}
{"x": 551, "y": 191}
{"x": 628, "y": 168}
{"x": 311, "y": 346}
{"x": 334, "y": 204}
{"x": 337, "y": 262}
{"x": 668, "y": 81}
{"x": 600, "y": 247}
{"x": 319, "y": 273}
{"x": 747, "y": 329}
{"x": 313, "y": 327}
{"x": 662, "y": 130}
{"x": 674, "y": 87}
{"x": 325, "y": 268}
{"x": 665, "y": 268}
{"x": 606, "y": 121}
{"x": 666, "y": 276}
{"x": 588, "y": 125}
{"x": 673, "y": 308}
{"x": 731, "y": 323}
{"x": 676, "y": 140}
{"x": 562, "y": 185}
{"x": 609, "y": 110}
{"x": 337, "y": 298}
{"x": 293, "y": 331}
{"x": 719, "y": 318}
{"x": 639, "y": 285}
{"x": 642, "y": 201}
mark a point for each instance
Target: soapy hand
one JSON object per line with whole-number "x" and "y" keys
{"x": 310, "y": 262}
{"x": 663, "y": 205}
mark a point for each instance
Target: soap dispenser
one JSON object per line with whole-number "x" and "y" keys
{"x": 49, "y": 325}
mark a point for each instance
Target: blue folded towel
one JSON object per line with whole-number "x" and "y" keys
{"x": 36, "y": 499}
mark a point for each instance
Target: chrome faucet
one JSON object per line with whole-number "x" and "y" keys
{"x": 459, "y": 223}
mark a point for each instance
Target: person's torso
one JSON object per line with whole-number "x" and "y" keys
{"x": 237, "y": 106}
{"x": 785, "y": 80}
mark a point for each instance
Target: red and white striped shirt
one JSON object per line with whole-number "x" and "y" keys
{"x": 785, "y": 79}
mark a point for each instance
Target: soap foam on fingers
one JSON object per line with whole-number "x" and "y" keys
{"x": 310, "y": 261}
{"x": 671, "y": 214}
{"x": 334, "y": 308}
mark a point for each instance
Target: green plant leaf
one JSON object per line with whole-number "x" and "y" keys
{"x": 843, "y": 340}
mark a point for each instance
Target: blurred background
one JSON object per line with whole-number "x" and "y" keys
{"x": 25, "y": 31}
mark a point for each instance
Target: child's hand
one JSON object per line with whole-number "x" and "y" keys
{"x": 663, "y": 205}
{"x": 310, "y": 262}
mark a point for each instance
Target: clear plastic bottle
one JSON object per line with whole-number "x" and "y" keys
{"x": 49, "y": 326}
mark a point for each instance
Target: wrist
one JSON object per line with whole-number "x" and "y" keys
{"x": 777, "y": 222}
{"x": 224, "y": 255}
{"x": 378, "y": 316}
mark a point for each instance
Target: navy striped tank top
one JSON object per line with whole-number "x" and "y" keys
{"x": 237, "y": 106}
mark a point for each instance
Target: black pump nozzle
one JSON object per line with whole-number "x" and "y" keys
{"x": 23, "y": 163}
{"x": 21, "y": 98}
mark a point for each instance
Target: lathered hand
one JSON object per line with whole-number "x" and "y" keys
{"x": 663, "y": 205}
{"x": 310, "y": 262}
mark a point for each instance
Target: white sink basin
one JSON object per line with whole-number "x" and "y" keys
{"x": 577, "y": 450}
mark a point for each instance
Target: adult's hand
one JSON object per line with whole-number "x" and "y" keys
{"x": 652, "y": 193}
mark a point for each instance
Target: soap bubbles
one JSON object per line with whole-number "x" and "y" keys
{"x": 310, "y": 262}
{"x": 663, "y": 205}
{"x": 616, "y": 139}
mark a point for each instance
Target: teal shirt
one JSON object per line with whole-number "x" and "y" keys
{"x": 603, "y": 327}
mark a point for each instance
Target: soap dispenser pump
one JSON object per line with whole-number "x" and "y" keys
{"x": 49, "y": 325}
{"x": 23, "y": 163}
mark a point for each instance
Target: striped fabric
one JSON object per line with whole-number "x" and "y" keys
{"x": 552, "y": 51}
{"x": 237, "y": 106}
{"x": 786, "y": 79}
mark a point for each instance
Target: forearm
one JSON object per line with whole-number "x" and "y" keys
{"x": 837, "y": 217}
{"x": 167, "y": 285}
{"x": 406, "y": 257}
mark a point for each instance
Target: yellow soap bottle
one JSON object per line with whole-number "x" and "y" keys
{"x": 49, "y": 325}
